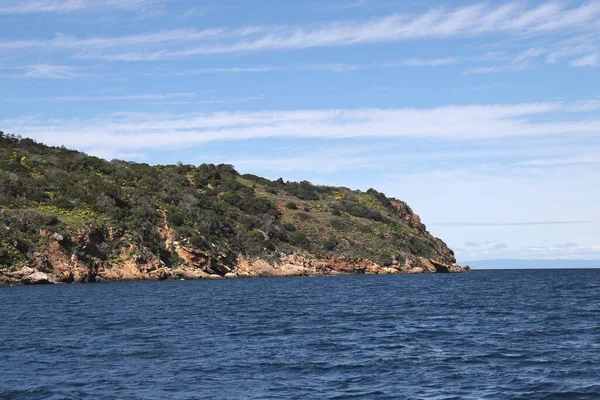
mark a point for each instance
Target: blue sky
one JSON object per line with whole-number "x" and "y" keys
{"x": 483, "y": 116}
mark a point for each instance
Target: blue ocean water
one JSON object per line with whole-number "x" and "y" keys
{"x": 516, "y": 334}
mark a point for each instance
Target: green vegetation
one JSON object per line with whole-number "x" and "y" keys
{"x": 52, "y": 190}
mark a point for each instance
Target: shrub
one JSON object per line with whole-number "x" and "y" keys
{"x": 299, "y": 239}
{"x": 340, "y": 224}
{"x": 289, "y": 227}
{"x": 176, "y": 218}
{"x": 302, "y": 216}
{"x": 330, "y": 243}
{"x": 361, "y": 210}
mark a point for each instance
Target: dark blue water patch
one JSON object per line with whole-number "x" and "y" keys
{"x": 485, "y": 335}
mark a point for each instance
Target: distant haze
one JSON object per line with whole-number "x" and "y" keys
{"x": 530, "y": 264}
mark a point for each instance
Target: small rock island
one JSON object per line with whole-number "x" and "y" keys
{"x": 67, "y": 217}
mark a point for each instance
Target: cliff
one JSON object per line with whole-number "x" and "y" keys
{"x": 68, "y": 217}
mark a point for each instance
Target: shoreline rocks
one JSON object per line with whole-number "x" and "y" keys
{"x": 287, "y": 266}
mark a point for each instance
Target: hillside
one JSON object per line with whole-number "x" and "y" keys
{"x": 69, "y": 217}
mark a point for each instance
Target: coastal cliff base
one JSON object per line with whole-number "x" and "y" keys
{"x": 202, "y": 266}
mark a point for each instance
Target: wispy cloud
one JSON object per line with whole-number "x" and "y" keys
{"x": 532, "y": 223}
{"x": 193, "y": 12}
{"x": 528, "y": 55}
{"x": 470, "y": 21}
{"x": 148, "y": 130}
{"x": 477, "y": 88}
{"x": 340, "y": 158}
{"x": 231, "y": 70}
{"x": 163, "y": 96}
{"x": 304, "y": 163}
{"x": 496, "y": 69}
{"x": 177, "y": 98}
{"x": 47, "y": 71}
{"x": 590, "y": 60}
{"x": 480, "y": 244}
{"x": 65, "y": 6}
{"x": 520, "y": 62}
{"x": 502, "y": 251}
{"x": 232, "y": 101}
{"x": 353, "y": 4}
{"x": 593, "y": 158}
{"x": 330, "y": 67}
{"x": 423, "y": 62}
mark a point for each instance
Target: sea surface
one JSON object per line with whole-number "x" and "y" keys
{"x": 512, "y": 334}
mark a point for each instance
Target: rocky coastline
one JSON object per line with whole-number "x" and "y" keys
{"x": 202, "y": 268}
{"x": 57, "y": 264}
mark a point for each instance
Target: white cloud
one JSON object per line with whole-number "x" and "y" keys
{"x": 480, "y": 224}
{"x": 590, "y": 60}
{"x": 388, "y": 152}
{"x": 496, "y": 69}
{"x": 520, "y": 62}
{"x": 467, "y": 21}
{"x": 232, "y": 101}
{"x": 589, "y": 158}
{"x": 159, "y": 130}
{"x": 470, "y": 21}
{"x": 354, "y": 4}
{"x": 565, "y": 251}
{"x": 232, "y": 70}
{"x": 305, "y": 163}
{"x": 528, "y": 55}
{"x": 63, "y": 42}
{"x": 477, "y": 88}
{"x": 186, "y": 98}
{"x": 64, "y": 6}
{"x": 47, "y": 71}
{"x": 164, "y": 96}
{"x": 577, "y": 45}
{"x": 422, "y": 62}
{"x": 331, "y": 67}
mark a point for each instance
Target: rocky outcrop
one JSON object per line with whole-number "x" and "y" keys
{"x": 57, "y": 264}
{"x": 26, "y": 276}
{"x": 200, "y": 265}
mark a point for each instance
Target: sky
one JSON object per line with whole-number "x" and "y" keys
{"x": 483, "y": 116}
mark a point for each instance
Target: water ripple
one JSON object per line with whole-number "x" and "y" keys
{"x": 484, "y": 335}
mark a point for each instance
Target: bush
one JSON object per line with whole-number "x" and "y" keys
{"x": 330, "y": 243}
{"x": 176, "y": 218}
{"x": 420, "y": 247}
{"x": 360, "y": 211}
{"x": 382, "y": 198}
{"x": 340, "y": 224}
{"x": 292, "y": 206}
{"x": 302, "y": 216}
{"x": 289, "y": 227}
{"x": 299, "y": 239}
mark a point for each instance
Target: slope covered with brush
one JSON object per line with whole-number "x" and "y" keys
{"x": 69, "y": 217}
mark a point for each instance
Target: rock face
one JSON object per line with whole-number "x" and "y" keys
{"x": 245, "y": 268}
{"x": 27, "y": 276}
{"x": 56, "y": 265}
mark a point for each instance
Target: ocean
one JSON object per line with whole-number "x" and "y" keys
{"x": 502, "y": 334}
